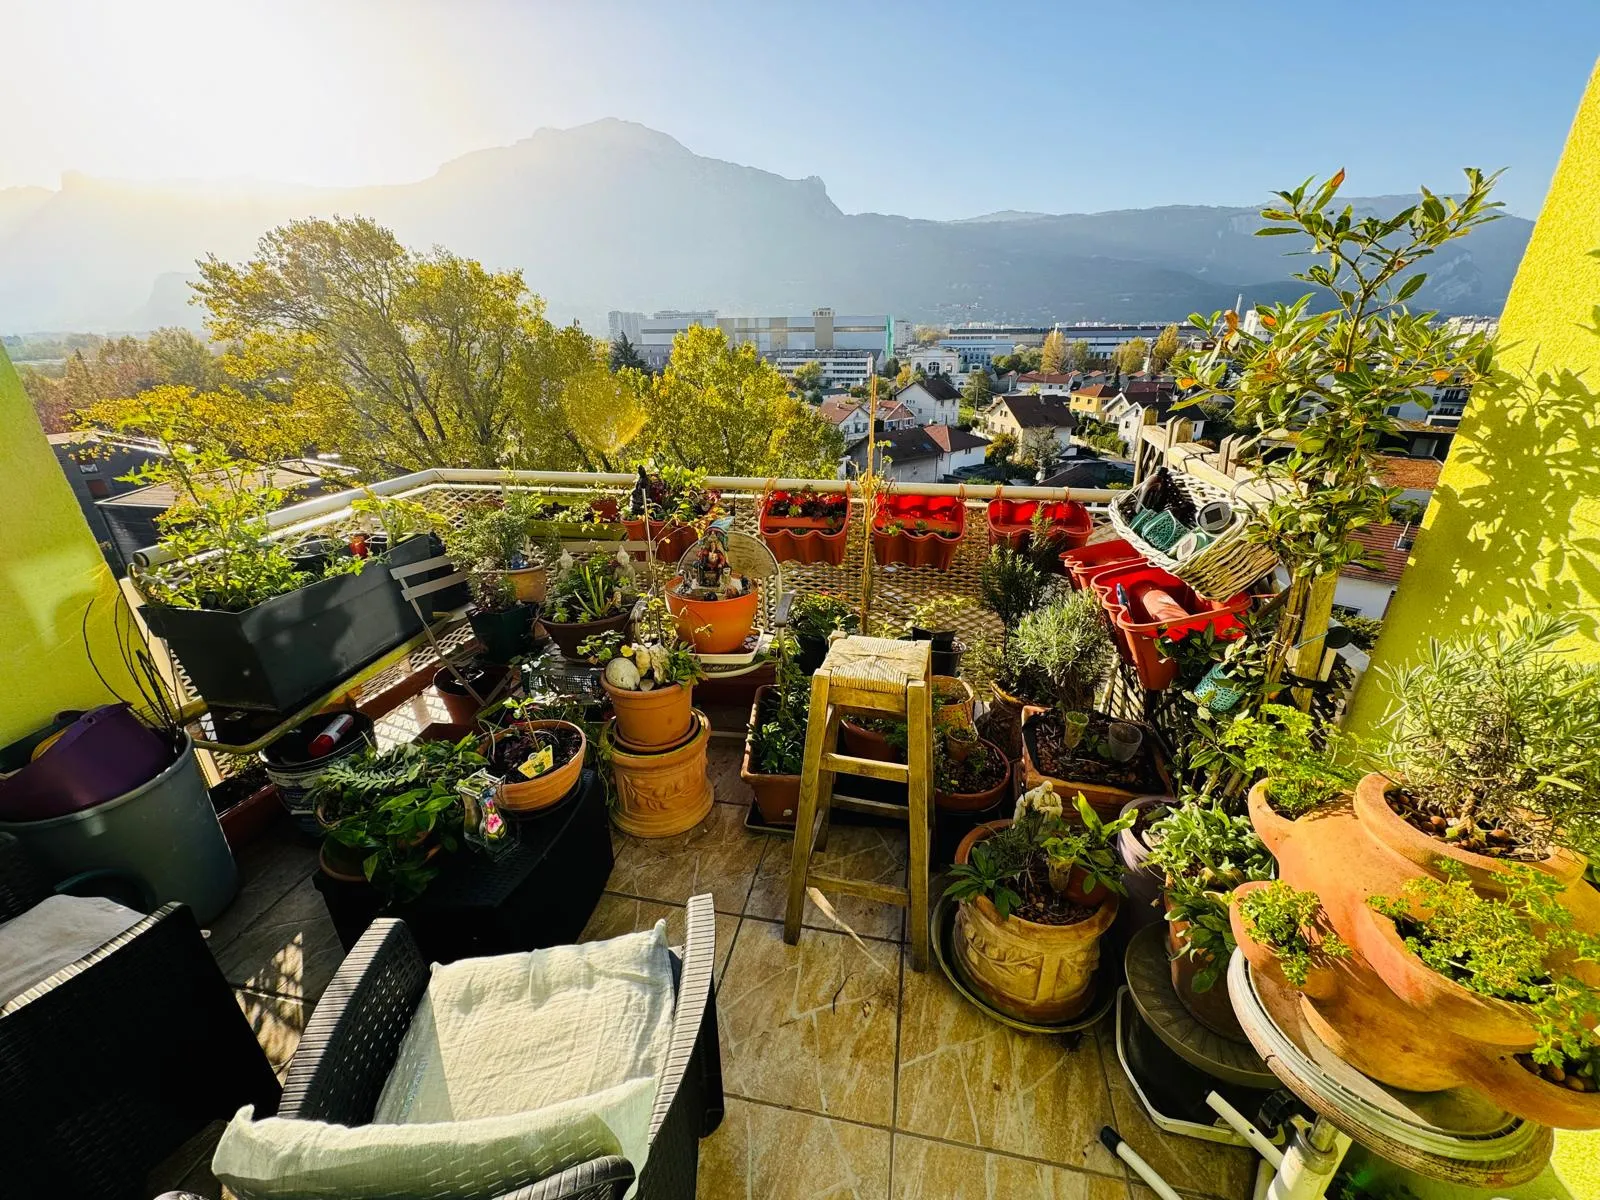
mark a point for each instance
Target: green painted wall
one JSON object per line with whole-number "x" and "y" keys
{"x": 1514, "y": 525}
{"x": 51, "y": 573}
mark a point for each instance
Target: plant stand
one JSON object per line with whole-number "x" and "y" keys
{"x": 1456, "y": 1136}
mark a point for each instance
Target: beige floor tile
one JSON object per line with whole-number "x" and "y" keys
{"x": 854, "y": 852}
{"x": 277, "y": 1021}
{"x": 617, "y": 915}
{"x": 925, "y": 1170}
{"x": 719, "y": 856}
{"x": 291, "y": 951}
{"x": 766, "y": 1153}
{"x": 268, "y": 870}
{"x": 813, "y": 1025}
{"x": 970, "y": 1079}
{"x": 1188, "y": 1164}
{"x": 722, "y": 766}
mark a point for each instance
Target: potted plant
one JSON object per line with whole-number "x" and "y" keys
{"x": 539, "y": 760}
{"x": 814, "y": 617}
{"x": 650, "y": 683}
{"x": 881, "y": 738}
{"x": 970, "y": 774}
{"x": 1010, "y": 911}
{"x": 253, "y": 629}
{"x": 669, "y": 508}
{"x": 1290, "y": 924}
{"x": 1142, "y": 880}
{"x": 715, "y": 608}
{"x": 592, "y": 596}
{"x": 806, "y": 526}
{"x": 917, "y": 531}
{"x": 935, "y": 621}
{"x": 485, "y": 547}
{"x": 1203, "y": 853}
{"x": 953, "y": 701}
{"x": 1012, "y": 587}
{"x": 775, "y": 743}
{"x": 388, "y": 814}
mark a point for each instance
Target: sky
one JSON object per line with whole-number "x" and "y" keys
{"x": 933, "y": 109}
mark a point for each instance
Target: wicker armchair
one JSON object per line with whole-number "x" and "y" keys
{"x": 354, "y": 1036}
{"x": 117, "y": 1059}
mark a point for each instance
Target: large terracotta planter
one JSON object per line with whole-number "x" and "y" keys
{"x": 549, "y": 789}
{"x": 665, "y": 793}
{"x": 1011, "y": 522}
{"x": 713, "y": 626}
{"x": 1380, "y": 1008}
{"x": 647, "y": 721}
{"x": 1037, "y": 973}
{"x": 943, "y": 518}
{"x": 777, "y": 796}
{"x": 671, "y": 539}
{"x": 970, "y": 802}
{"x": 569, "y": 635}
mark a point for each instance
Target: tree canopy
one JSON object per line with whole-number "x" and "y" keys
{"x": 1165, "y": 349}
{"x": 1053, "y": 355}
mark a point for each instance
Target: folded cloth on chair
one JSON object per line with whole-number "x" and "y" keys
{"x": 57, "y": 931}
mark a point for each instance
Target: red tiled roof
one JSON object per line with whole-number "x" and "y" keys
{"x": 1413, "y": 474}
{"x": 895, "y": 411}
{"x": 1379, "y": 541}
{"x": 1044, "y": 377}
{"x": 835, "y": 409}
{"x": 952, "y": 438}
{"x": 1095, "y": 390}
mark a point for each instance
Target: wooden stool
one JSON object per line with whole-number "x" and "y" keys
{"x": 882, "y": 677}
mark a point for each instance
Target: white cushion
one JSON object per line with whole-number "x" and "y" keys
{"x": 278, "y": 1159}
{"x": 57, "y": 931}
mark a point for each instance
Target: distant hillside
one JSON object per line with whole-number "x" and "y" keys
{"x": 615, "y": 215}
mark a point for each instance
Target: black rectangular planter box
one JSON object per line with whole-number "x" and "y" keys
{"x": 286, "y": 651}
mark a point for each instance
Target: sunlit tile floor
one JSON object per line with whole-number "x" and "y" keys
{"x": 848, "y": 1075}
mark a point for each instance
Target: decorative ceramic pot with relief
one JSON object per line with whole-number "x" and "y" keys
{"x": 664, "y": 792}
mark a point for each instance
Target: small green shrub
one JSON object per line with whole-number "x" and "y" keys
{"x": 1282, "y": 918}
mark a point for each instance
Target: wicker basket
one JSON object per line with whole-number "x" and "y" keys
{"x": 1224, "y": 568}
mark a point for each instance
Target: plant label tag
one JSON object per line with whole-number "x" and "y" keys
{"x": 537, "y": 763}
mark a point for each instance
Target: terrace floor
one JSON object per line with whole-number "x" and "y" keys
{"x": 847, "y": 1073}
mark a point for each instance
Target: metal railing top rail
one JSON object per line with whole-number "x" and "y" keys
{"x": 316, "y": 512}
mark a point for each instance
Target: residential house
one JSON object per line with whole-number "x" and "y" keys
{"x": 923, "y": 453}
{"x": 1018, "y": 413}
{"x": 1366, "y": 591}
{"x": 95, "y": 464}
{"x": 1083, "y": 468}
{"x": 846, "y": 414}
{"x": 1046, "y": 384}
{"x": 1420, "y": 439}
{"x": 934, "y": 400}
{"x": 933, "y": 360}
{"x": 1091, "y": 395}
{"x": 1126, "y": 411}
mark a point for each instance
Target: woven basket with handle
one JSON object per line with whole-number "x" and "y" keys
{"x": 1222, "y": 569}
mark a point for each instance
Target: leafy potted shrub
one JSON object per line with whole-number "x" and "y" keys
{"x": 917, "y": 531}
{"x": 388, "y": 814}
{"x": 1012, "y": 587}
{"x": 1012, "y": 912}
{"x": 774, "y": 747}
{"x": 1289, "y": 924}
{"x": 814, "y": 618}
{"x": 540, "y": 760}
{"x": 650, "y": 683}
{"x": 969, "y": 774}
{"x": 252, "y": 629}
{"x": 806, "y": 526}
{"x": 670, "y": 507}
{"x": 714, "y": 607}
{"x": 487, "y": 547}
{"x": 1204, "y": 853}
{"x": 935, "y": 621}
{"x": 592, "y": 596}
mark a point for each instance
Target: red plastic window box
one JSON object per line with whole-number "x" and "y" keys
{"x": 1084, "y": 563}
{"x": 1011, "y": 522}
{"x": 918, "y": 531}
{"x": 1160, "y": 605}
{"x": 806, "y": 526}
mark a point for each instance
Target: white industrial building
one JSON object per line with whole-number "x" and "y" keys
{"x": 840, "y": 368}
{"x": 820, "y": 329}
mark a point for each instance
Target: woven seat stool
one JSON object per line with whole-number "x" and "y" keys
{"x": 879, "y": 677}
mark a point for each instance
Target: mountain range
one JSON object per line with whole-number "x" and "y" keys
{"x": 616, "y": 215}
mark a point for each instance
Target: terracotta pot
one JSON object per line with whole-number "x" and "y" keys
{"x": 777, "y": 796}
{"x": 1211, "y": 1008}
{"x": 652, "y": 720}
{"x": 1143, "y": 882}
{"x": 661, "y": 794}
{"x": 458, "y": 702}
{"x": 549, "y": 789}
{"x": 341, "y": 862}
{"x": 247, "y": 820}
{"x": 671, "y": 539}
{"x": 568, "y": 635}
{"x": 713, "y": 626}
{"x": 529, "y": 583}
{"x": 861, "y": 742}
{"x": 977, "y": 801}
{"x": 1107, "y": 801}
{"x": 1037, "y": 973}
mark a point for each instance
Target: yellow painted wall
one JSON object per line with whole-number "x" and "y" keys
{"x": 51, "y": 572}
{"x": 1514, "y": 526}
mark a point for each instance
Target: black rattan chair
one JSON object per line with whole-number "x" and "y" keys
{"x": 354, "y": 1036}
{"x": 113, "y": 1062}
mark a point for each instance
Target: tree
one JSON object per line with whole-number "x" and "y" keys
{"x": 1129, "y": 357}
{"x": 1002, "y": 447}
{"x": 977, "y": 390}
{"x": 407, "y": 360}
{"x": 1079, "y": 356}
{"x": 1036, "y": 449}
{"x": 906, "y": 376}
{"x": 1165, "y": 349}
{"x": 624, "y": 354}
{"x": 1325, "y": 381}
{"x": 605, "y": 411}
{"x": 807, "y": 380}
{"x": 726, "y": 410}
{"x": 1053, "y": 355}
{"x": 927, "y": 335}
{"x": 889, "y": 368}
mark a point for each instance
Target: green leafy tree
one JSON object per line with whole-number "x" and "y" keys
{"x": 977, "y": 390}
{"x": 1322, "y": 382}
{"x": 1165, "y": 349}
{"x": 407, "y": 360}
{"x": 625, "y": 355}
{"x": 1053, "y": 354}
{"x": 1002, "y": 448}
{"x": 1037, "y": 449}
{"x": 1129, "y": 357}
{"x": 1079, "y": 356}
{"x": 807, "y": 380}
{"x": 927, "y": 335}
{"x": 726, "y": 410}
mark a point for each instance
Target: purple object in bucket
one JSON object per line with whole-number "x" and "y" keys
{"x": 105, "y": 753}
